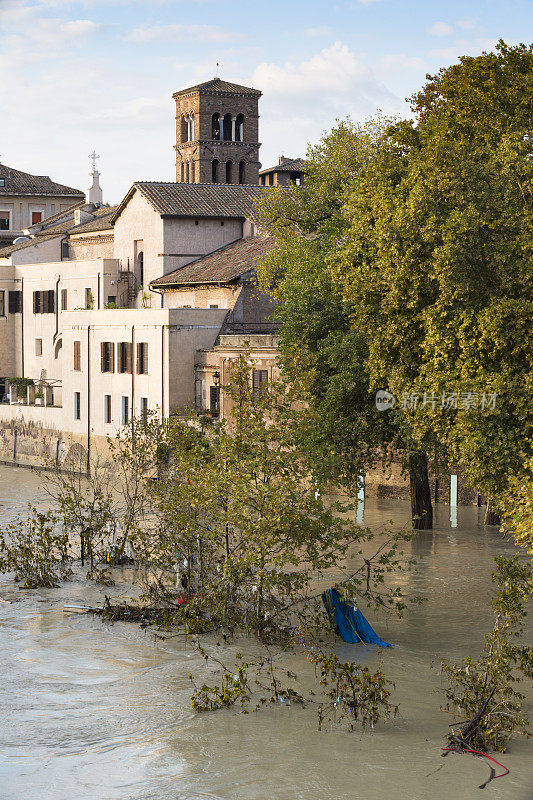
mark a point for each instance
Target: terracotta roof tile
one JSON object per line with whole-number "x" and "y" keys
{"x": 222, "y": 266}
{"x": 197, "y": 199}
{"x": 289, "y": 165}
{"x": 17, "y": 182}
{"x": 217, "y": 85}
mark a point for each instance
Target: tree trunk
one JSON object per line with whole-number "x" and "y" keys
{"x": 421, "y": 508}
{"x": 491, "y": 516}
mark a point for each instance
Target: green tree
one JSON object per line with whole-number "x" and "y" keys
{"x": 238, "y": 513}
{"x": 437, "y": 261}
{"x": 322, "y": 353}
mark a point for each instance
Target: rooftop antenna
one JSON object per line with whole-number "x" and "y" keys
{"x": 218, "y": 65}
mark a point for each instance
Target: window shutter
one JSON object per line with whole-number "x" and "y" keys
{"x": 102, "y": 356}
{"x": 51, "y": 301}
{"x": 145, "y": 358}
{"x": 128, "y": 357}
{"x": 14, "y": 302}
{"x": 63, "y": 299}
{"x": 36, "y": 303}
{"x": 111, "y": 346}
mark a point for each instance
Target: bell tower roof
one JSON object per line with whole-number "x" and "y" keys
{"x": 218, "y": 86}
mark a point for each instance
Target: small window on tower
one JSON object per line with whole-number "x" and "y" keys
{"x": 5, "y": 217}
{"x": 36, "y": 217}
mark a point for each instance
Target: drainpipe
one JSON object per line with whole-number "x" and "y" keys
{"x": 162, "y": 372}
{"x": 133, "y": 365}
{"x": 57, "y": 307}
{"x": 22, "y": 323}
{"x": 98, "y": 292}
{"x": 88, "y": 399}
{"x": 151, "y": 288}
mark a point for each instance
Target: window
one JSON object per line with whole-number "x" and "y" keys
{"x": 112, "y": 300}
{"x": 242, "y": 168}
{"x": 38, "y": 347}
{"x": 215, "y": 127}
{"x": 36, "y": 217}
{"x": 226, "y": 128}
{"x": 142, "y": 358}
{"x": 229, "y": 168}
{"x": 214, "y": 400}
{"x": 239, "y": 128}
{"x": 15, "y": 302}
{"x": 2, "y": 304}
{"x": 144, "y": 410}
{"x": 44, "y": 302}
{"x": 107, "y": 409}
{"x": 77, "y": 405}
{"x": 108, "y": 357}
{"x": 213, "y": 305}
{"x": 124, "y": 357}
{"x": 214, "y": 171}
{"x": 125, "y": 410}
{"x": 65, "y": 250}
{"x": 2, "y": 182}
{"x": 64, "y": 301}
{"x": 77, "y": 356}
{"x": 259, "y": 382}
{"x": 5, "y": 220}
{"x": 89, "y": 300}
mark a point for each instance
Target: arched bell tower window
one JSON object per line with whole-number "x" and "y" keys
{"x": 242, "y": 171}
{"x": 187, "y": 172}
{"x": 184, "y": 130}
{"x": 239, "y": 128}
{"x": 227, "y": 128}
{"x": 229, "y": 171}
{"x": 214, "y": 170}
{"x": 192, "y": 172}
{"x": 183, "y": 172}
{"x": 215, "y": 127}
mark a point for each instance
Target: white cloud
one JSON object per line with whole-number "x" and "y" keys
{"x": 176, "y": 32}
{"x": 303, "y": 99}
{"x": 79, "y": 27}
{"x": 328, "y": 76}
{"x": 317, "y": 32}
{"x": 401, "y": 61}
{"x": 441, "y": 29}
{"x": 463, "y": 47}
{"x": 467, "y": 24}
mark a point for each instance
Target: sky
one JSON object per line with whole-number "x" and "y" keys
{"x": 78, "y": 75}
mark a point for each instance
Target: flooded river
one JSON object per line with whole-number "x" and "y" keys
{"x": 94, "y": 712}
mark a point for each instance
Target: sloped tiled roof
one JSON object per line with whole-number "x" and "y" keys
{"x": 288, "y": 165}
{"x": 197, "y": 199}
{"x": 217, "y": 85}
{"x": 222, "y": 266}
{"x": 5, "y": 252}
{"x": 17, "y": 182}
{"x": 102, "y": 221}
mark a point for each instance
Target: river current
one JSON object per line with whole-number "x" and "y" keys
{"x": 90, "y": 711}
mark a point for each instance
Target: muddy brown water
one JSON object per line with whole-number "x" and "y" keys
{"x": 96, "y": 712}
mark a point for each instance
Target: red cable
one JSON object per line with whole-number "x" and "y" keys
{"x": 478, "y": 753}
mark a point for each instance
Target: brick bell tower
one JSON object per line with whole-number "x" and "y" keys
{"x": 217, "y": 133}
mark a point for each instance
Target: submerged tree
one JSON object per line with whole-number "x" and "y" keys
{"x": 483, "y": 690}
{"x": 323, "y": 353}
{"x": 239, "y": 514}
{"x": 437, "y": 262}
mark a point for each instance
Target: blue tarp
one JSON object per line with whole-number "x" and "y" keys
{"x": 348, "y": 621}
